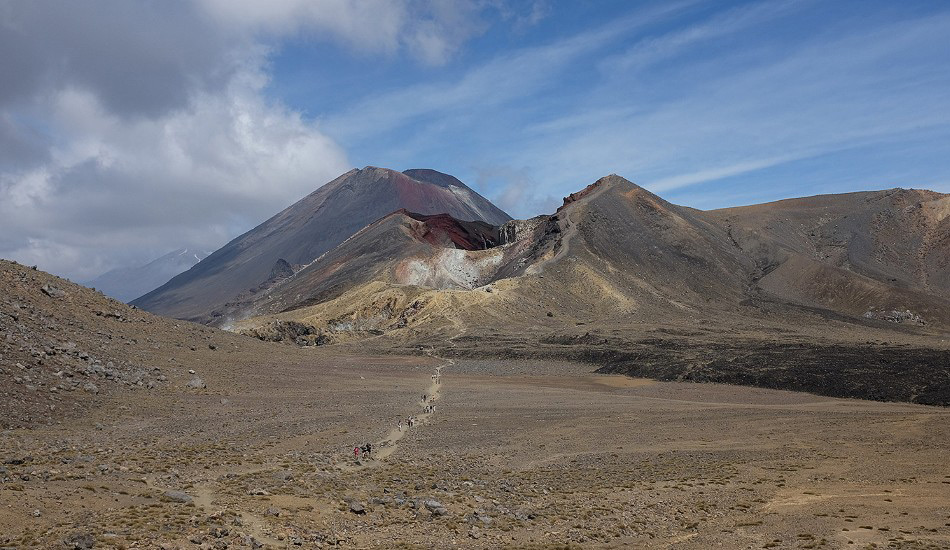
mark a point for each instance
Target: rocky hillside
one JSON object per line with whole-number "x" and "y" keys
{"x": 64, "y": 347}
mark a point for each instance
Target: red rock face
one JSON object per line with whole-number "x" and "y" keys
{"x": 574, "y": 197}
{"x": 443, "y": 230}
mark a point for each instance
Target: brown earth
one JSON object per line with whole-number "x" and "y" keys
{"x": 517, "y": 453}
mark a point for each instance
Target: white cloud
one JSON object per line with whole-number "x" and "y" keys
{"x": 431, "y": 30}
{"x": 517, "y": 192}
{"x": 221, "y": 164}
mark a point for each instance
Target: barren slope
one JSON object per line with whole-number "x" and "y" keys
{"x": 65, "y": 348}
{"x": 855, "y": 253}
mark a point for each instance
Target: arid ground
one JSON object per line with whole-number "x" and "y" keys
{"x": 515, "y": 454}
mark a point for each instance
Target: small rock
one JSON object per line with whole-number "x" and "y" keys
{"x": 80, "y": 541}
{"x": 89, "y": 387}
{"x": 357, "y": 508}
{"x": 37, "y": 513}
{"x": 191, "y": 371}
{"x": 197, "y": 383}
{"x": 258, "y": 493}
{"x": 436, "y": 507}
{"x": 272, "y": 511}
{"x": 178, "y": 496}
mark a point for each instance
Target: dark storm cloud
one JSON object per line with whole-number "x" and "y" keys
{"x": 137, "y": 58}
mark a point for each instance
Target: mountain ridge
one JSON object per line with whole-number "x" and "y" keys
{"x": 618, "y": 249}
{"x": 128, "y": 283}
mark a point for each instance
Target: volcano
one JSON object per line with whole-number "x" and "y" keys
{"x": 309, "y": 228}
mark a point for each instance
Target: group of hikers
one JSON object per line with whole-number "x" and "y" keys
{"x": 366, "y": 451}
{"x": 410, "y": 420}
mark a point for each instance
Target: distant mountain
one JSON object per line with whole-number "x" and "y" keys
{"x": 128, "y": 283}
{"x": 615, "y": 250}
{"x": 314, "y": 225}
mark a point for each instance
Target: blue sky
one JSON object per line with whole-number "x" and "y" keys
{"x": 129, "y": 128}
{"x": 708, "y": 104}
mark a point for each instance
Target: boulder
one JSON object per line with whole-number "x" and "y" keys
{"x": 52, "y": 291}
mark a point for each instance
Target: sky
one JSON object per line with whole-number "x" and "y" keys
{"x": 129, "y": 128}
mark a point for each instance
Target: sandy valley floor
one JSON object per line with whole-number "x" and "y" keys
{"x": 519, "y": 454}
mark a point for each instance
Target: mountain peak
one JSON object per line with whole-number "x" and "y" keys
{"x": 434, "y": 177}
{"x": 609, "y": 181}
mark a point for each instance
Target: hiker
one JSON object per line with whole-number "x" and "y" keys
{"x": 399, "y": 424}
{"x": 356, "y": 453}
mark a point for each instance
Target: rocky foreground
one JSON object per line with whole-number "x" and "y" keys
{"x": 124, "y": 430}
{"x": 262, "y": 458}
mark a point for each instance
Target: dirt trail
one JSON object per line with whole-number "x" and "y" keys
{"x": 204, "y": 498}
{"x": 384, "y": 448}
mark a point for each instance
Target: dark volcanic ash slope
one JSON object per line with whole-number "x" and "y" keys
{"x": 307, "y": 229}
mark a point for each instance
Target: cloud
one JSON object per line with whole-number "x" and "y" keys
{"x": 515, "y": 191}
{"x": 430, "y": 30}
{"x": 140, "y": 59}
{"x": 135, "y": 128}
{"x": 654, "y": 49}
{"x": 196, "y": 176}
